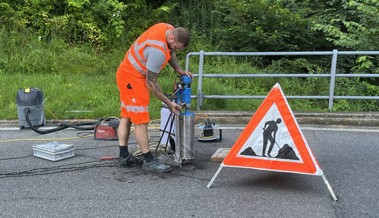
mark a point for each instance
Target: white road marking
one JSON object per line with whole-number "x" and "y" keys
{"x": 337, "y": 129}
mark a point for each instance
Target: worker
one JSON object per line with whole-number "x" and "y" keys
{"x": 136, "y": 77}
{"x": 269, "y": 134}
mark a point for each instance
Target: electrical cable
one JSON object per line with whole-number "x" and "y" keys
{"x": 78, "y": 149}
{"x": 56, "y": 118}
{"x": 15, "y": 158}
{"x": 45, "y": 139}
{"x": 63, "y": 168}
{"x": 58, "y": 169}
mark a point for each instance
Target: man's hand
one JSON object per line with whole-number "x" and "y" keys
{"x": 175, "y": 65}
{"x": 182, "y": 73}
{"x": 174, "y": 108}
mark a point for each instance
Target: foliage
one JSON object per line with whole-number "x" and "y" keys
{"x": 247, "y": 25}
{"x": 244, "y": 25}
{"x": 69, "y": 44}
{"x": 100, "y": 22}
{"x": 260, "y": 25}
{"x": 350, "y": 24}
{"x": 347, "y": 24}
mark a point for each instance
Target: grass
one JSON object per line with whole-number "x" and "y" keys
{"x": 72, "y": 96}
{"x": 66, "y": 96}
{"x": 94, "y": 95}
{"x": 79, "y": 82}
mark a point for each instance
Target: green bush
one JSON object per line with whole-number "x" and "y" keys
{"x": 72, "y": 49}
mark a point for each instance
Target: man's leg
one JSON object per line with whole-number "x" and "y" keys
{"x": 142, "y": 137}
{"x": 149, "y": 163}
{"x": 125, "y": 159}
{"x": 265, "y": 141}
{"x": 123, "y": 131}
{"x": 272, "y": 141}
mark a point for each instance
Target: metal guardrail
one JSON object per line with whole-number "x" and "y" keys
{"x": 200, "y": 96}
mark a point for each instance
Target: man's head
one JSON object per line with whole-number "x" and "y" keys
{"x": 178, "y": 38}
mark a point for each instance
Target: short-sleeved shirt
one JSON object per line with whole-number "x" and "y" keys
{"x": 155, "y": 59}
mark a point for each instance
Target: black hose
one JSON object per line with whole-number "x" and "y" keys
{"x": 61, "y": 127}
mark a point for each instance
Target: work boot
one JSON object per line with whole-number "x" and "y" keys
{"x": 156, "y": 166}
{"x": 129, "y": 161}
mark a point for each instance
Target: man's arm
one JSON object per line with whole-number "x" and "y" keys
{"x": 152, "y": 84}
{"x": 266, "y": 124}
{"x": 175, "y": 65}
{"x": 174, "y": 62}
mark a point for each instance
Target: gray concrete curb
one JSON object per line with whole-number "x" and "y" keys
{"x": 358, "y": 119}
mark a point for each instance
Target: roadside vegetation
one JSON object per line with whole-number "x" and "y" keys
{"x": 71, "y": 50}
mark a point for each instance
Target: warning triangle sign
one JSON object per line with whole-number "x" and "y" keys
{"x": 272, "y": 140}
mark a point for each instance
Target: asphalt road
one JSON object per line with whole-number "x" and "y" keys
{"x": 85, "y": 186}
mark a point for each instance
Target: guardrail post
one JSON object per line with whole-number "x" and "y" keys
{"x": 187, "y": 61}
{"x": 332, "y": 79}
{"x": 200, "y": 81}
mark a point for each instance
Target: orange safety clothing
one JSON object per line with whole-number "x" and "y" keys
{"x": 131, "y": 74}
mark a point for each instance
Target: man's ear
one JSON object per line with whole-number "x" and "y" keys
{"x": 171, "y": 37}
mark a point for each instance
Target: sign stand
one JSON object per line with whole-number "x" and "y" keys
{"x": 322, "y": 175}
{"x": 273, "y": 123}
{"x": 329, "y": 187}
{"x": 215, "y": 175}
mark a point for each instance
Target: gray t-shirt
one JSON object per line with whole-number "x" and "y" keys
{"x": 155, "y": 59}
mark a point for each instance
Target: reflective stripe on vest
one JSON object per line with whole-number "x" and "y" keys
{"x": 134, "y": 63}
{"x": 135, "y": 109}
{"x": 137, "y": 47}
{"x": 135, "y": 54}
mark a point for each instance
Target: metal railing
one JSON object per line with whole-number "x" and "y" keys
{"x": 200, "y": 96}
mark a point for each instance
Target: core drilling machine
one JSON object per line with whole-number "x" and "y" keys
{"x": 185, "y": 122}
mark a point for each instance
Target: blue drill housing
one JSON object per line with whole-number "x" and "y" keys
{"x": 183, "y": 96}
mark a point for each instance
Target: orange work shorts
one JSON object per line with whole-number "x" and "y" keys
{"x": 134, "y": 96}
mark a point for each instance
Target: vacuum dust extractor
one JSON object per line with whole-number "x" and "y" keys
{"x": 30, "y": 107}
{"x": 30, "y": 110}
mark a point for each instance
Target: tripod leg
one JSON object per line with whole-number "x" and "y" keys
{"x": 164, "y": 131}
{"x": 170, "y": 131}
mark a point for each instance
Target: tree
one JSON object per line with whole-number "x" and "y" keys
{"x": 348, "y": 24}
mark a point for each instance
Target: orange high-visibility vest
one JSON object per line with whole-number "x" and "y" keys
{"x": 155, "y": 36}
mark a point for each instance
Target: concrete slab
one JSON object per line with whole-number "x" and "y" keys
{"x": 220, "y": 154}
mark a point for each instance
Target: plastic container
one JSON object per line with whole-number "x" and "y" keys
{"x": 54, "y": 151}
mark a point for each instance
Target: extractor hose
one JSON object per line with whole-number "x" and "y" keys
{"x": 61, "y": 127}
